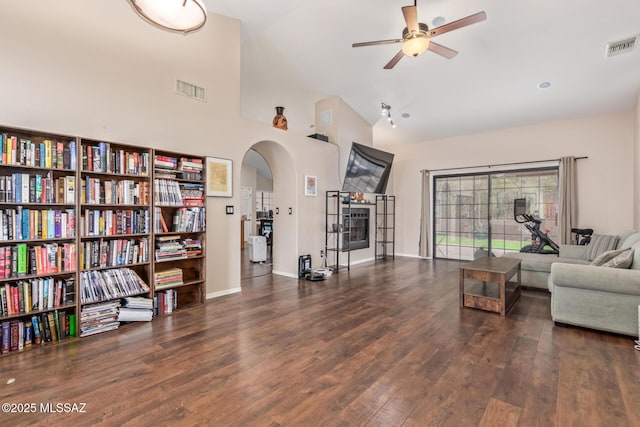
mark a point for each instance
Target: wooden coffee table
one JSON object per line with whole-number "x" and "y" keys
{"x": 485, "y": 295}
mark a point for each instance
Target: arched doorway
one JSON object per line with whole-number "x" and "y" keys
{"x": 257, "y": 211}
{"x": 283, "y": 249}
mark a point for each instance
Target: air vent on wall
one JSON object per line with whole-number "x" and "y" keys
{"x": 191, "y": 90}
{"x": 621, "y": 46}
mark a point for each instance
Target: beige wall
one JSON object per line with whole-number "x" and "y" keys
{"x": 346, "y": 126}
{"x": 95, "y": 69}
{"x": 605, "y": 200}
{"x": 636, "y": 169}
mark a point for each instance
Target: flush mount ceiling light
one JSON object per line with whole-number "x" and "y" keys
{"x": 174, "y": 15}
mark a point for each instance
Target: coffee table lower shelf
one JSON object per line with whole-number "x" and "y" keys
{"x": 491, "y": 289}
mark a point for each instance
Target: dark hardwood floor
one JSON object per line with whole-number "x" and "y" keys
{"x": 385, "y": 344}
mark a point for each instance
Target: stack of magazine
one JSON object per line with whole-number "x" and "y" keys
{"x": 135, "y": 309}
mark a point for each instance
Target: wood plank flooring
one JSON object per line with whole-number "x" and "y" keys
{"x": 385, "y": 344}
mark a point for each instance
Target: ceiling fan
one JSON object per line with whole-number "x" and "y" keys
{"x": 416, "y": 37}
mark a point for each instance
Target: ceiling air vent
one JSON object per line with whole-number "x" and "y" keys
{"x": 621, "y": 46}
{"x": 191, "y": 90}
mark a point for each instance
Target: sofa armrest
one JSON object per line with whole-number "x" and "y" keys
{"x": 603, "y": 279}
{"x": 573, "y": 251}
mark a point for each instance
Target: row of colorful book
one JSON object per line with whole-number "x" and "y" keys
{"x": 113, "y": 252}
{"x": 37, "y": 188}
{"x": 41, "y": 328}
{"x": 100, "y": 222}
{"x": 49, "y": 258}
{"x": 15, "y": 150}
{"x": 42, "y": 293}
{"x": 112, "y": 192}
{"x": 30, "y": 224}
{"x": 101, "y": 158}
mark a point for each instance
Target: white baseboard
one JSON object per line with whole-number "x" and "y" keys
{"x": 361, "y": 261}
{"x": 285, "y": 274}
{"x": 414, "y": 256}
{"x": 223, "y": 293}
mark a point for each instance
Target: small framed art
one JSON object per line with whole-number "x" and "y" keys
{"x": 219, "y": 177}
{"x": 310, "y": 185}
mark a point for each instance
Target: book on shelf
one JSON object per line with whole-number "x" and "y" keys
{"x": 165, "y": 162}
{"x": 190, "y": 219}
{"x": 49, "y": 258}
{"x": 165, "y": 302}
{"x": 19, "y": 334}
{"x": 190, "y": 168}
{"x": 104, "y": 158}
{"x": 169, "y": 248}
{"x": 100, "y": 222}
{"x": 168, "y": 278}
{"x": 24, "y": 151}
{"x": 37, "y": 188}
{"x": 37, "y": 294}
{"x": 167, "y": 192}
{"x": 111, "y": 253}
{"x": 102, "y": 285}
{"x": 22, "y": 223}
{"x": 114, "y": 192}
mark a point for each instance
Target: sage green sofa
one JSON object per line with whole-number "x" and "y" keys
{"x": 590, "y": 296}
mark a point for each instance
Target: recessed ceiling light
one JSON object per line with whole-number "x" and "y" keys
{"x": 544, "y": 85}
{"x": 438, "y": 21}
{"x": 406, "y": 115}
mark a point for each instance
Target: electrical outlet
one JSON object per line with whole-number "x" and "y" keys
{"x": 321, "y": 253}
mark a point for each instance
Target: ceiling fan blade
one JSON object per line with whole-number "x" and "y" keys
{"x": 442, "y": 50}
{"x": 394, "y": 61}
{"x": 391, "y": 41}
{"x": 411, "y": 17}
{"x": 471, "y": 19}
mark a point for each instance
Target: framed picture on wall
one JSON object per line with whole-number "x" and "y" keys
{"x": 219, "y": 177}
{"x": 310, "y": 185}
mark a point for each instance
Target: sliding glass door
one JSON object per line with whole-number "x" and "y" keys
{"x": 473, "y": 213}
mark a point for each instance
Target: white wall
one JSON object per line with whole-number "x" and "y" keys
{"x": 605, "y": 189}
{"x": 95, "y": 69}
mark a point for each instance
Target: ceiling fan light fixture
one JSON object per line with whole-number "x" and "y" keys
{"x": 415, "y": 45}
{"x": 174, "y": 15}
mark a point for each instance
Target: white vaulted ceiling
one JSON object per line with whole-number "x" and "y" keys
{"x": 295, "y": 53}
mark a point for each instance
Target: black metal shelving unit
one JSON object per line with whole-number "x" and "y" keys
{"x": 337, "y": 226}
{"x": 385, "y": 234}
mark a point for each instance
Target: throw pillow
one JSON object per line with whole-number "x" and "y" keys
{"x": 621, "y": 258}
{"x": 599, "y": 244}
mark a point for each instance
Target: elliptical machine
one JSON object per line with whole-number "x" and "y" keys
{"x": 541, "y": 243}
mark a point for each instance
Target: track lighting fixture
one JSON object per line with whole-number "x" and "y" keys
{"x": 386, "y": 111}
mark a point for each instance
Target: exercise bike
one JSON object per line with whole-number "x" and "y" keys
{"x": 541, "y": 243}
{"x": 582, "y": 235}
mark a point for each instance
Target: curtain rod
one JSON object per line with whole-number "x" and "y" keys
{"x": 499, "y": 164}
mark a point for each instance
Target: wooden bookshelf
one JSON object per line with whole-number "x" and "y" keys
{"x": 179, "y": 212}
{"x": 115, "y": 227}
{"x": 38, "y": 238}
{"x": 81, "y": 226}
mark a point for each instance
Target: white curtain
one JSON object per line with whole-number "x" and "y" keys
{"x": 568, "y": 200}
{"x": 424, "y": 215}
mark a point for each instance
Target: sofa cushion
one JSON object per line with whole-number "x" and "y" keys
{"x": 620, "y": 258}
{"x": 599, "y": 243}
{"x": 635, "y": 265}
{"x": 629, "y": 241}
{"x": 541, "y": 262}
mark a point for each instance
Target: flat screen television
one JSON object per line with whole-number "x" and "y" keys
{"x": 368, "y": 170}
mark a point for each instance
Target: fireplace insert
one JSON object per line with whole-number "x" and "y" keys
{"x": 358, "y": 224}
